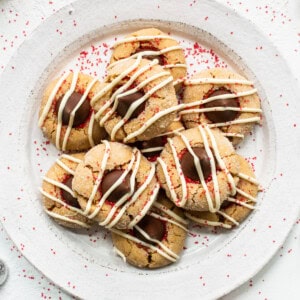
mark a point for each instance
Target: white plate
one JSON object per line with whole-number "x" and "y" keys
{"x": 83, "y": 263}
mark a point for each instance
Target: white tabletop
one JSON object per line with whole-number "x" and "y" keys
{"x": 280, "y": 21}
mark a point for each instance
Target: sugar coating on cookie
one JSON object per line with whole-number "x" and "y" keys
{"x": 236, "y": 208}
{"x": 136, "y": 101}
{"x": 198, "y": 168}
{"x": 152, "y": 43}
{"x": 115, "y": 185}
{"x": 59, "y": 200}
{"x": 66, "y": 116}
{"x": 224, "y": 99}
{"x": 157, "y": 239}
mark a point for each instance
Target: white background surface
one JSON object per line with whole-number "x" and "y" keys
{"x": 280, "y": 21}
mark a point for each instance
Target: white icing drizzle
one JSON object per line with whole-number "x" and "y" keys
{"x": 239, "y": 121}
{"x": 120, "y": 91}
{"x": 121, "y": 254}
{"x": 132, "y": 238}
{"x": 90, "y": 129}
{"x": 143, "y": 38}
{"x": 106, "y": 155}
{"x": 228, "y": 217}
{"x": 220, "y": 160}
{"x": 242, "y": 203}
{"x": 168, "y": 180}
{"x": 207, "y": 222}
{"x": 246, "y": 195}
{"x": 51, "y": 98}
{"x": 138, "y": 102}
{"x": 154, "y": 215}
{"x": 232, "y": 134}
{"x": 165, "y": 248}
{"x": 172, "y": 132}
{"x": 71, "y": 158}
{"x": 69, "y": 220}
{"x": 72, "y": 117}
{"x": 221, "y": 108}
{"x": 113, "y": 83}
{"x": 248, "y": 178}
{"x": 183, "y": 200}
{"x": 170, "y": 213}
{"x": 139, "y": 192}
{"x": 217, "y": 81}
{"x": 126, "y": 196}
{"x": 64, "y": 166}
{"x": 169, "y": 66}
{"x": 153, "y": 149}
{"x": 61, "y": 108}
{"x": 226, "y": 96}
{"x": 147, "y": 53}
{"x": 59, "y": 184}
{"x": 179, "y": 80}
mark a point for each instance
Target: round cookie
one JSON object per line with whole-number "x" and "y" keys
{"x": 136, "y": 101}
{"x": 198, "y": 169}
{"x": 157, "y": 239}
{"x": 235, "y": 114}
{"x": 152, "y": 43}
{"x": 66, "y": 116}
{"x": 59, "y": 200}
{"x": 235, "y": 209}
{"x": 115, "y": 184}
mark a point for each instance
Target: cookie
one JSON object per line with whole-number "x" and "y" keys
{"x": 136, "y": 101}
{"x": 224, "y": 99}
{"x": 152, "y": 44}
{"x": 66, "y": 116}
{"x": 235, "y": 209}
{"x": 115, "y": 185}
{"x": 59, "y": 200}
{"x": 156, "y": 240}
{"x": 198, "y": 169}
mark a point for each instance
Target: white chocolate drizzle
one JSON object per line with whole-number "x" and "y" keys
{"x": 221, "y": 108}
{"x": 121, "y": 254}
{"x": 217, "y": 81}
{"x": 142, "y": 38}
{"x": 66, "y": 219}
{"x": 138, "y": 241}
{"x": 232, "y": 134}
{"x": 207, "y": 222}
{"x": 154, "y": 215}
{"x": 63, "y": 103}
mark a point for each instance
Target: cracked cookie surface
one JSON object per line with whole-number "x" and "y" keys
{"x": 235, "y": 209}
{"x": 152, "y": 39}
{"x": 135, "y": 101}
{"x": 115, "y": 184}
{"x": 57, "y": 200}
{"x": 167, "y": 238}
{"x": 219, "y": 166}
{"x": 59, "y": 102}
{"x": 236, "y": 116}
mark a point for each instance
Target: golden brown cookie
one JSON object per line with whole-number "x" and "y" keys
{"x": 66, "y": 116}
{"x": 156, "y": 240}
{"x": 152, "y": 43}
{"x": 198, "y": 169}
{"x": 135, "y": 102}
{"x": 59, "y": 200}
{"x": 114, "y": 184}
{"x": 235, "y": 209}
{"x": 224, "y": 99}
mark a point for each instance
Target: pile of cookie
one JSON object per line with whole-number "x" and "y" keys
{"x": 147, "y": 149}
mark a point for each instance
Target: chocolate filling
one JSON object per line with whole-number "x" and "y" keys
{"x": 109, "y": 179}
{"x": 188, "y": 165}
{"x": 81, "y": 114}
{"x": 67, "y": 197}
{"x": 221, "y": 116}
{"x": 161, "y": 59}
{"x": 154, "y": 227}
{"x": 225, "y": 204}
{"x": 126, "y": 101}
